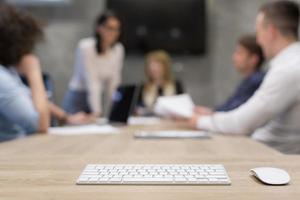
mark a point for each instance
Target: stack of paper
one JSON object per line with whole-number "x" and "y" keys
{"x": 83, "y": 130}
{"x": 179, "y": 106}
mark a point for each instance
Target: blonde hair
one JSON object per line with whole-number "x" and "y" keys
{"x": 150, "y": 90}
{"x": 164, "y": 59}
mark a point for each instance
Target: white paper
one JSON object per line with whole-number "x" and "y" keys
{"x": 144, "y": 120}
{"x": 83, "y": 130}
{"x": 179, "y": 105}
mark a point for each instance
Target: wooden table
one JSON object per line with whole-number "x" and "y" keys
{"x": 47, "y": 166}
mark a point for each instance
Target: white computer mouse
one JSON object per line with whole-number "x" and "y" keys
{"x": 271, "y": 176}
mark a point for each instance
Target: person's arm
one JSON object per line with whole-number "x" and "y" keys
{"x": 58, "y": 113}
{"x": 85, "y": 78}
{"x": 94, "y": 85}
{"x": 277, "y": 92}
{"x": 95, "y": 90}
{"x": 115, "y": 80}
{"x": 64, "y": 118}
{"x": 202, "y": 110}
{"x": 30, "y": 67}
{"x": 113, "y": 83}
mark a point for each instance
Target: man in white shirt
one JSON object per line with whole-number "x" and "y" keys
{"x": 272, "y": 114}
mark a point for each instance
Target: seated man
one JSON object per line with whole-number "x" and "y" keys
{"x": 248, "y": 59}
{"x": 272, "y": 114}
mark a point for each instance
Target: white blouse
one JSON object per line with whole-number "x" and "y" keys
{"x": 96, "y": 73}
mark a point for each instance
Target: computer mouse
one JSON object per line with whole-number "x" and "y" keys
{"x": 271, "y": 176}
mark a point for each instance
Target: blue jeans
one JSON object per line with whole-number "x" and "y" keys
{"x": 76, "y": 101}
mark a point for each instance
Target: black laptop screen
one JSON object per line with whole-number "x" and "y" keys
{"x": 122, "y": 103}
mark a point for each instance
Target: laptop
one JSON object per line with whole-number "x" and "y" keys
{"x": 123, "y": 104}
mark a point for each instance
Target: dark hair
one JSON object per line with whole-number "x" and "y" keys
{"x": 18, "y": 36}
{"x": 249, "y": 42}
{"x": 284, "y": 15}
{"x": 101, "y": 20}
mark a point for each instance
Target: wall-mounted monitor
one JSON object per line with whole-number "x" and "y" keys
{"x": 178, "y": 26}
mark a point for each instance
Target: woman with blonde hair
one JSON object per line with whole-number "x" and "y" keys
{"x": 159, "y": 81}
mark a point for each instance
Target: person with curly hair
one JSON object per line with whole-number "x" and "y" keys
{"x": 24, "y": 109}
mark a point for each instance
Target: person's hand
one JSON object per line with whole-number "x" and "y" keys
{"x": 177, "y": 118}
{"x": 79, "y": 118}
{"x": 29, "y": 66}
{"x": 193, "y": 121}
{"x": 201, "y": 110}
{"x": 140, "y": 111}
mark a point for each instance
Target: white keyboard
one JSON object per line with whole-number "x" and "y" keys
{"x": 147, "y": 174}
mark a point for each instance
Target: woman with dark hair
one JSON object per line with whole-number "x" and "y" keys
{"x": 97, "y": 69}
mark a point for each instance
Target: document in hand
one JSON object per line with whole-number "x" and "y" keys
{"x": 179, "y": 106}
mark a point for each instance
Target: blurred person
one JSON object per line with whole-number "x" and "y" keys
{"x": 248, "y": 59}
{"x": 159, "y": 82}
{"x": 97, "y": 69}
{"x": 24, "y": 110}
{"x": 272, "y": 114}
